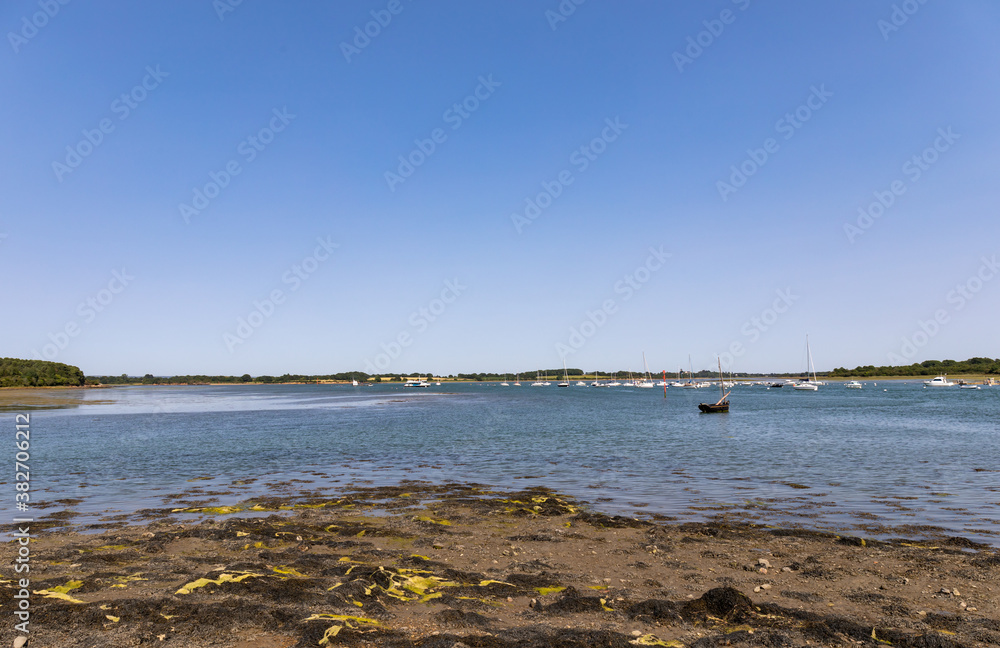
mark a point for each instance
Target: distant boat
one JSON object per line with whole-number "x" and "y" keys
{"x": 939, "y": 381}
{"x": 517, "y": 380}
{"x": 804, "y": 384}
{"x": 647, "y": 381}
{"x": 854, "y": 384}
{"x": 505, "y": 383}
{"x": 722, "y": 405}
{"x": 565, "y": 380}
{"x": 968, "y": 387}
{"x": 417, "y": 382}
{"x": 538, "y": 381}
{"x": 354, "y": 382}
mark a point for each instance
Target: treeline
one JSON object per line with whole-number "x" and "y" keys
{"x": 200, "y": 379}
{"x": 15, "y": 372}
{"x": 974, "y": 366}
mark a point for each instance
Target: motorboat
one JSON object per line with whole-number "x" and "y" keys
{"x": 939, "y": 381}
{"x": 853, "y": 384}
{"x": 416, "y": 382}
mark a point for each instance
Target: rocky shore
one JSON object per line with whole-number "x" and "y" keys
{"x": 455, "y": 566}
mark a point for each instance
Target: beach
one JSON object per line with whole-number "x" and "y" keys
{"x": 455, "y": 565}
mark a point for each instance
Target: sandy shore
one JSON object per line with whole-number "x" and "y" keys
{"x": 458, "y": 565}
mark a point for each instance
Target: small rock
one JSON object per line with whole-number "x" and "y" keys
{"x": 762, "y": 562}
{"x": 971, "y": 609}
{"x": 765, "y": 586}
{"x": 533, "y": 603}
{"x": 762, "y": 570}
{"x": 922, "y": 613}
{"x": 438, "y": 545}
{"x": 945, "y": 590}
{"x": 906, "y": 581}
{"x": 756, "y": 589}
{"x": 20, "y": 642}
{"x": 954, "y": 592}
{"x": 510, "y": 600}
{"x": 786, "y": 569}
{"x": 636, "y": 633}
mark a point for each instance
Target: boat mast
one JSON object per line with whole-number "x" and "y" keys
{"x": 722, "y": 384}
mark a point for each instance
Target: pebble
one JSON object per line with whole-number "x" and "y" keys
{"x": 786, "y": 569}
{"x": 763, "y": 562}
{"x": 438, "y": 545}
{"x": 963, "y": 605}
{"x": 762, "y": 570}
{"x": 945, "y": 590}
{"x": 20, "y": 641}
{"x": 765, "y": 586}
{"x": 955, "y": 592}
{"x": 636, "y": 633}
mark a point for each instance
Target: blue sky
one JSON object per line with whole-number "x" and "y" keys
{"x": 625, "y": 122}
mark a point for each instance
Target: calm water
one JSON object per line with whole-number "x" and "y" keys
{"x": 896, "y": 454}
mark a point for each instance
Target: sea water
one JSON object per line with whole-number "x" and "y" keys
{"x": 889, "y": 460}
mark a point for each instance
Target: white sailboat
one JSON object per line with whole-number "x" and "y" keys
{"x": 565, "y": 380}
{"x": 804, "y": 384}
{"x": 647, "y": 381}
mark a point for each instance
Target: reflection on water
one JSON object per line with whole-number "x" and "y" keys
{"x": 847, "y": 460}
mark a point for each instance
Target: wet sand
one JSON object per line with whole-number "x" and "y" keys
{"x": 460, "y": 565}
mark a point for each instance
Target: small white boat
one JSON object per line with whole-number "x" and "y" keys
{"x": 565, "y": 380}
{"x": 354, "y": 383}
{"x": 939, "y": 381}
{"x": 416, "y": 382}
{"x": 580, "y": 383}
{"x": 804, "y": 384}
{"x": 853, "y": 384}
{"x": 968, "y": 386}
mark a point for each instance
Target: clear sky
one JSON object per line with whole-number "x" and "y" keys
{"x": 271, "y": 187}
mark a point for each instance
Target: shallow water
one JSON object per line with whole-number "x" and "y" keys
{"x": 838, "y": 459}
